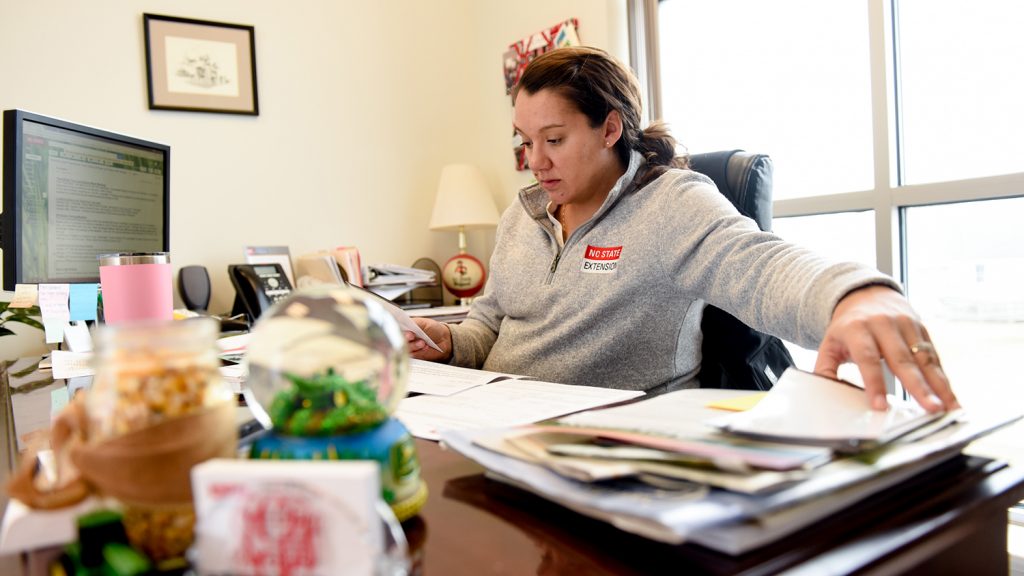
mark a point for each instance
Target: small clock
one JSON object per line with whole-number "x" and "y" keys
{"x": 463, "y": 275}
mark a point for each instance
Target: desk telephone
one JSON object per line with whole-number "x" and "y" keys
{"x": 257, "y": 287}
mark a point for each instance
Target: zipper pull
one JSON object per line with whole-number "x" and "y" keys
{"x": 554, "y": 263}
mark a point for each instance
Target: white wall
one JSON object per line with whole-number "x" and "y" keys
{"x": 601, "y": 24}
{"x": 361, "y": 105}
{"x": 498, "y": 24}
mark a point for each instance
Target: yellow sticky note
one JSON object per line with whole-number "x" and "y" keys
{"x": 25, "y": 296}
{"x": 738, "y": 403}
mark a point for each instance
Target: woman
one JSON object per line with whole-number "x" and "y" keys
{"x": 601, "y": 270}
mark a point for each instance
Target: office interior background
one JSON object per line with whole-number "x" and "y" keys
{"x": 361, "y": 105}
{"x": 894, "y": 127}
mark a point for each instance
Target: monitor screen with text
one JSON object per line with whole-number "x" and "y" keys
{"x": 73, "y": 192}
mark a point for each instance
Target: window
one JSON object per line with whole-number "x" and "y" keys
{"x": 962, "y": 88}
{"x": 843, "y": 236}
{"x": 965, "y": 276}
{"x": 896, "y": 123}
{"x": 770, "y": 82}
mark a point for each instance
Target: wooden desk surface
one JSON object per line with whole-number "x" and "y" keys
{"x": 949, "y": 519}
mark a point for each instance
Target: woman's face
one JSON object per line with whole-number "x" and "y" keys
{"x": 573, "y": 161}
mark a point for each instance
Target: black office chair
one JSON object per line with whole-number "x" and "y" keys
{"x": 734, "y": 355}
{"x": 194, "y": 287}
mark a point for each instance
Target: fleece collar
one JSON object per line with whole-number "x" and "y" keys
{"x": 535, "y": 200}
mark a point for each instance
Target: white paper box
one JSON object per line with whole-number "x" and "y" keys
{"x": 297, "y": 517}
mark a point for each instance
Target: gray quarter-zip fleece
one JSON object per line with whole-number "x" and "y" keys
{"x": 619, "y": 306}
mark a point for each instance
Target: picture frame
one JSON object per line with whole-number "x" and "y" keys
{"x": 200, "y": 66}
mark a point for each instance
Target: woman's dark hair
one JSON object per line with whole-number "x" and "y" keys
{"x": 597, "y": 84}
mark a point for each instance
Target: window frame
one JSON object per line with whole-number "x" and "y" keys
{"x": 890, "y": 196}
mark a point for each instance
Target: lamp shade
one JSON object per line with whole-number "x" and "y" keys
{"x": 463, "y": 200}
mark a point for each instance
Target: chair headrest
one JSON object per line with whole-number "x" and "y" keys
{"x": 744, "y": 178}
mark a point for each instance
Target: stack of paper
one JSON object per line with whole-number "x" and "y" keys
{"x": 667, "y": 468}
{"x": 729, "y": 521}
{"x": 657, "y": 442}
{"x": 235, "y": 377}
{"x": 442, "y": 313}
{"x": 383, "y": 274}
{"x": 348, "y": 259}
{"x": 336, "y": 267}
{"x": 392, "y": 280}
{"x": 233, "y": 369}
{"x": 317, "y": 268}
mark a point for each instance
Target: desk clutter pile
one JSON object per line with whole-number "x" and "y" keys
{"x": 699, "y": 466}
{"x": 327, "y": 371}
{"x": 144, "y": 472}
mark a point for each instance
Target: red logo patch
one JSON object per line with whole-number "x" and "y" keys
{"x": 603, "y": 252}
{"x": 601, "y": 259}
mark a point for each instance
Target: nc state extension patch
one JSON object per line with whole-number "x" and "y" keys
{"x": 601, "y": 259}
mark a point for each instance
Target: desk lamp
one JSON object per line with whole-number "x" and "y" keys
{"x": 463, "y": 202}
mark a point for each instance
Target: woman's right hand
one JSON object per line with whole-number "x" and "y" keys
{"x": 439, "y": 333}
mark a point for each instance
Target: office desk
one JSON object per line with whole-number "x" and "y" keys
{"x": 949, "y": 519}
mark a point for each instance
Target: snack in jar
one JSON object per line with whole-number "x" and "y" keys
{"x": 156, "y": 407}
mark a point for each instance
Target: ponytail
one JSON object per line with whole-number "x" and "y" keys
{"x": 661, "y": 151}
{"x": 659, "y": 147}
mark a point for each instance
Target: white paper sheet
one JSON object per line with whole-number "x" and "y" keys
{"x": 53, "y": 304}
{"x": 71, "y": 364}
{"x": 811, "y": 409}
{"x": 235, "y": 376}
{"x": 236, "y": 343}
{"x": 504, "y": 403}
{"x": 403, "y": 318}
{"x": 439, "y": 311}
{"x": 391, "y": 292}
{"x": 53, "y": 300}
{"x": 444, "y": 380}
{"x": 25, "y": 296}
{"x": 333, "y": 503}
{"x": 24, "y": 528}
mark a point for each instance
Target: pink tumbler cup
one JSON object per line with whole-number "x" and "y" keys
{"x": 136, "y": 286}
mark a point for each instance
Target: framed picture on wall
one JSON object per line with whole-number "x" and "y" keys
{"x": 200, "y": 66}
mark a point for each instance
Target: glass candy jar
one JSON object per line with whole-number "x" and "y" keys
{"x": 156, "y": 407}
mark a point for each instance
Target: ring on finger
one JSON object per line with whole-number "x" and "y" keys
{"x": 927, "y": 348}
{"x": 922, "y": 347}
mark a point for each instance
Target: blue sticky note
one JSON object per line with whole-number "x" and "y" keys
{"x": 83, "y": 301}
{"x": 58, "y": 400}
{"x": 54, "y": 328}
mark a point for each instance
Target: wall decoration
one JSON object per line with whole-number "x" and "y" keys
{"x": 521, "y": 53}
{"x": 200, "y": 66}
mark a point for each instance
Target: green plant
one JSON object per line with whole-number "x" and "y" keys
{"x": 25, "y": 316}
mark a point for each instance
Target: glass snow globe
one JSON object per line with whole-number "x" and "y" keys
{"x": 327, "y": 368}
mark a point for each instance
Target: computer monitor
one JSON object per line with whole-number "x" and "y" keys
{"x": 73, "y": 192}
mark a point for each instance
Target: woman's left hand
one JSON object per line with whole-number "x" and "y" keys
{"x": 876, "y": 323}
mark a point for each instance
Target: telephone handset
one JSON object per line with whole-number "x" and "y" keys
{"x": 257, "y": 287}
